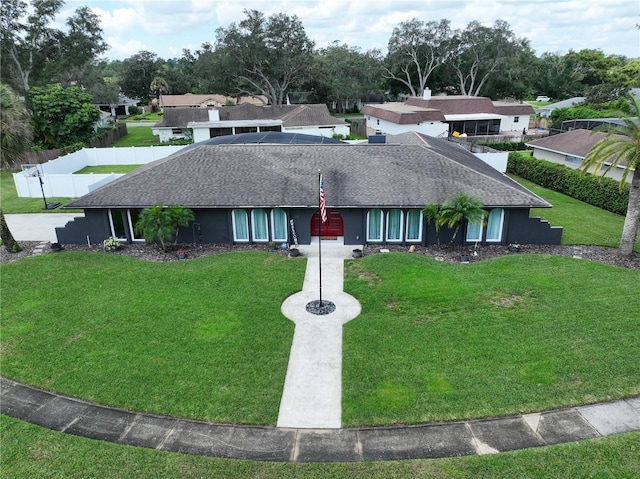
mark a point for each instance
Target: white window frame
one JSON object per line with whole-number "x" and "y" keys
{"x": 132, "y": 227}
{"x": 499, "y": 238}
{"x": 273, "y": 226}
{"x": 380, "y": 233}
{"x": 400, "y": 230}
{"x": 480, "y": 231}
{"x": 233, "y": 225}
{"x": 421, "y": 221}
{"x": 113, "y": 229}
{"x": 264, "y": 218}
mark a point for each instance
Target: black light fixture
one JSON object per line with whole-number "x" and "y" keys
{"x": 47, "y": 206}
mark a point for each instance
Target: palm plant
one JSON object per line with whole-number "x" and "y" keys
{"x": 458, "y": 209}
{"x": 161, "y": 224}
{"x": 620, "y": 146}
{"x": 15, "y": 125}
{"x": 431, "y": 213}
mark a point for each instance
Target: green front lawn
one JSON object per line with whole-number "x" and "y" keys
{"x": 582, "y": 223}
{"x": 30, "y": 451}
{"x": 205, "y": 338}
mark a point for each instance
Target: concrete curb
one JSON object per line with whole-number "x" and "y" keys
{"x": 484, "y": 436}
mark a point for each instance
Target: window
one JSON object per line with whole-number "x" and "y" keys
{"x": 474, "y": 232}
{"x": 279, "y": 225}
{"x": 494, "y": 224}
{"x": 246, "y": 129}
{"x": 240, "y": 226}
{"x": 414, "y": 225}
{"x": 394, "y": 225}
{"x": 259, "y": 227}
{"x": 116, "y": 225}
{"x": 133, "y": 216}
{"x": 516, "y": 119}
{"x": 374, "y": 225}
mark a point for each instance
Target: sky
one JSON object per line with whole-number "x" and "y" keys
{"x": 166, "y": 27}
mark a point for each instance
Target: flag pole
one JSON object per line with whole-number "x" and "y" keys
{"x": 320, "y": 193}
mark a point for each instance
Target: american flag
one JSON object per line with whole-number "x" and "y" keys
{"x": 323, "y": 206}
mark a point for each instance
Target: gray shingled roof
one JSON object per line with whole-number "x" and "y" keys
{"x": 574, "y": 143}
{"x": 291, "y": 115}
{"x": 286, "y": 175}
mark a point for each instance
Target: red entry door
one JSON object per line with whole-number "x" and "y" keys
{"x": 332, "y": 227}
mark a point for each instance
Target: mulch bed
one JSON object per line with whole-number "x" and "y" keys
{"x": 153, "y": 253}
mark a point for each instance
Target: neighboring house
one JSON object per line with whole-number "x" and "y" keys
{"x": 545, "y": 111}
{"x": 570, "y": 148}
{"x": 440, "y": 116}
{"x": 120, "y": 109}
{"x": 203, "y": 124}
{"x": 191, "y": 100}
{"x": 254, "y": 193}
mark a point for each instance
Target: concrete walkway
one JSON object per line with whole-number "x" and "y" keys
{"x": 312, "y": 396}
{"x": 38, "y": 226}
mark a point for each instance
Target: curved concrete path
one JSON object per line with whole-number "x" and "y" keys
{"x": 486, "y": 436}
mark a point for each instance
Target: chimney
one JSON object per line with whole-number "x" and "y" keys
{"x": 426, "y": 94}
{"x": 214, "y": 115}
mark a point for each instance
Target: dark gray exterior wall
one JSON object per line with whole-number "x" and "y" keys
{"x": 215, "y": 226}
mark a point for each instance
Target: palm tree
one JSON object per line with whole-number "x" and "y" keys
{"x": 161, "y": 224}
{"x": 458, "y": 209}
{"x": 15, "y": 125}
{"x": 9, "y": 242}
{"x": 431, "y": 213}
{"x": 621, "y": 145}
{"x": 159, "y": 86}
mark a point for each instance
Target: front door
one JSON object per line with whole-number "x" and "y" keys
{"x": 332, "y": 227}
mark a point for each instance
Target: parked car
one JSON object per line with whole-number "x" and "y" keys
{"x": 542, "y": 98}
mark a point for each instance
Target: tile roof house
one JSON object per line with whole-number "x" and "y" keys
{"x": 441, "y": 116}
{"x": 570, "y": 148}
{"x": 253, "y": 193}
{"x": 203, "y": 123}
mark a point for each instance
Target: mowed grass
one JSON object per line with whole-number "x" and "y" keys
{"x": 522, "y": 333}
{"x": 582, "y": 223}
{"x": 138, "y": 136}
{"x": 11, "y": 203}
{"x": 205, "y": 338}
{"x": 202, "y": 338}
{"x": 106, "y": 169}
{"x": 30, "y": 451}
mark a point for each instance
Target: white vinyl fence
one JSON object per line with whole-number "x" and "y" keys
{"x": 56, "y": 177}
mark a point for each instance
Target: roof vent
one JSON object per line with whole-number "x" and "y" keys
{"x": 426, "y": 94}
{"x": 378, "y": 138}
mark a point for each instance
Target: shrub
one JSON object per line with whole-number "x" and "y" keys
{"x": 505, "y": 145}
{"x": 111, "y": 244}
{"x": 598, "y": 191}
{"x": 134, "y": 110}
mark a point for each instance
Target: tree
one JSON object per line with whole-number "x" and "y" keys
{"x": 161, "y": 224}
{"x": 261, "y": 56}
{"x": 559, "y": 76}
{"x": 481, "y": 52}
{"x": 341, "y": 75}
{"x": 32, "y": 44}
{"x": 137, "y": 73}
{"x": 621, "y": 146}
{"x": 62, "y": 116}
{"x": 81, "y": 46}
{"x": 458, "y": 209}
{"x": 9, "y": 242}
{"x": 415, "y": 50}
{"x": 159, "y": 86}
{"x": 15, "y": 127}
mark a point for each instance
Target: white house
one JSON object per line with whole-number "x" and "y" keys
{"x": 446, "y": 115}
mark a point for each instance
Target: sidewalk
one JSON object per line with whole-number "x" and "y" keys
{"x": 38, "y": 226}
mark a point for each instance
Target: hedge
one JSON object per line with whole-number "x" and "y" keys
{"x": 598, "y": 191}
{"x": 505, "y": 145}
